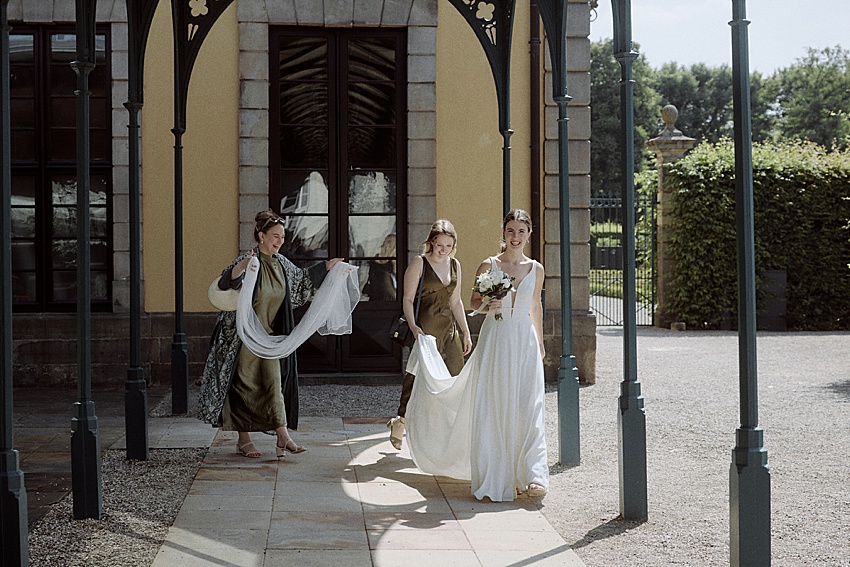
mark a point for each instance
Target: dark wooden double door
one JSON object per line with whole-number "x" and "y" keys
{"x": 338, "y": 175}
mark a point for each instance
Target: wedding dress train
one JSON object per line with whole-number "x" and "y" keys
{"x": 487, "y": 423}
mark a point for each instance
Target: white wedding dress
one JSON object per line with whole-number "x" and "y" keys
{"x": 487, "y": 423}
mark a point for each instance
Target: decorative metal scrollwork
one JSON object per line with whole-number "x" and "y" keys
{"x": 483, "y": 17}
{"x": 139, "y": 18}
{"x": 492, "y": 22}
{"x": 192, "y": 21}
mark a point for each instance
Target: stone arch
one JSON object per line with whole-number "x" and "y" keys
{"x": 420, "y": 19}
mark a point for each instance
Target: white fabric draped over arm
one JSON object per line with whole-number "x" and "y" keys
{"x": 329, "y": 312}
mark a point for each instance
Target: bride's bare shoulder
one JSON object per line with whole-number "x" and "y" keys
{"x": 483, "y": 266}
{"x": 540, "y": 270}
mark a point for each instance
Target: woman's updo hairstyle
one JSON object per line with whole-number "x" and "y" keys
{"x": 439, "y": 227}
{"x": 264, "y": 220}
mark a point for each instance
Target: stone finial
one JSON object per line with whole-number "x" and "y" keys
{"x": 670, "y": 145}
{"x": 669, "y": 114}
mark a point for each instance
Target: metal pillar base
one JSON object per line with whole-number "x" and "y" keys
{"x": 749, "y": 501}
{"x": 631, "y": 433}
{"x": 85, "y": 463}
{"x": 136, "y": 415}
{"x": 179, "y": 374}
{"x": 569, "y": 439}
{"x": 14, "y": 533}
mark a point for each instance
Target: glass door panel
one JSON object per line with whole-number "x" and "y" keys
{"x": 335, "y": 162}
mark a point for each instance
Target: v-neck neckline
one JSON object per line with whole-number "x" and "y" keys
{"x": 439, "y": 279}
{"x": 496, "y": 264}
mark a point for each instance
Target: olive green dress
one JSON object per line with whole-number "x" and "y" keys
{"x": 436, "y": 319}
{"x": 254, "y": 401}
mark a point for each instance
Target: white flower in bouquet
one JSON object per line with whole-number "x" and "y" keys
{"x": 494, "y": 284}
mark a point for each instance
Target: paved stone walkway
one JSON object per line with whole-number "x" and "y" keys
{"x": 351, "y": 500}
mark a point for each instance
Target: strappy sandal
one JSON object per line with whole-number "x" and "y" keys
{"x": 242, "y": 450}
{"x": 290, "y": 446}
{"x": 535, "y": 489}
{"x": 396, "y": 427}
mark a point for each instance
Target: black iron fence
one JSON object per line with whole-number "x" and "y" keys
{"x": 607, "y": 258}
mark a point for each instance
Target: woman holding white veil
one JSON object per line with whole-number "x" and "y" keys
{"x": 241, "y": 391}
{"x": 487, "y": 423}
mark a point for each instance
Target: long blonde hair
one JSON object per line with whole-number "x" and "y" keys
{"x": 441, "y": 226}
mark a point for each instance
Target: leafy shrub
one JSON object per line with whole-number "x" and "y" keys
{"x": 800, "y": 207}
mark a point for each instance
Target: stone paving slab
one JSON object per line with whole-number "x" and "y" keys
{"x": 351, "y": 500}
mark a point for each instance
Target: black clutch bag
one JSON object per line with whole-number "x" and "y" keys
{"x": 400, "y": 332}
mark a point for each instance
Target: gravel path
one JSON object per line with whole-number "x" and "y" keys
{"x": 690, "y": 385}
{"x": 140, "y": 501}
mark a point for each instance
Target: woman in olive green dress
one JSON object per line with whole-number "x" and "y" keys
{"x": 440, "y": 310}
{"x": 240, "y": 391}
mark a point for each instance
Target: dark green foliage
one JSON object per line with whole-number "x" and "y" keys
{"x": 801, "y": 212}
{"x": 605, "y": 149}
{"x": 703, "y": 97}
{"x": 814, "y": 97}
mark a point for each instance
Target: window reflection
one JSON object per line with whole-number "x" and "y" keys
{"x": 380, "y": 274}
{"x": 307, "y": 231}
{"x": 366, "y": 234}
{"x": 372, "y": 192}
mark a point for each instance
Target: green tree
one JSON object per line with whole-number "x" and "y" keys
{"x": 814, "y": 97}
{"x": 703, "y": 96}
{"x": 763, "y": 93}
{"x": 605, "y": 147}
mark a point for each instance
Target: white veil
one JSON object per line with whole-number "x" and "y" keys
{"x": 329, "y": 312}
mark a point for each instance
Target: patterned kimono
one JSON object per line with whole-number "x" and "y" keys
{"x": 225, "y": 345}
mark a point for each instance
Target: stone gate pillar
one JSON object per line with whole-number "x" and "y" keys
{"x": 669, "y": 146}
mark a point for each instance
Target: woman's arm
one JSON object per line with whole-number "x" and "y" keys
{"x": 411, "y": 287}
{"x": 537, "y": 308}
{"x": 232, "y": 275}
{"x": 477, "y": 300}
{"x": 456, "y": 304}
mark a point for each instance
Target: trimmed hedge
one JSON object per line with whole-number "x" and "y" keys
{"x": 801, "y": 213}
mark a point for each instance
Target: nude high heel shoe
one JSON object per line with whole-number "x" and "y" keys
{"x": 290, "y": 446}
{"x": 396, "y": 427}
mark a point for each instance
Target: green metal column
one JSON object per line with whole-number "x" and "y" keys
{"x": 554, "y": 16}
{"x": 179, "y": 346}
{"x": 190, "y": 26}
{"x": 85, "y": 440}
{"x": 14, "y": 533}
{"x": 749, "y": 475}
{"x": 139, "y": 18}
{"x": 631, "y": 420}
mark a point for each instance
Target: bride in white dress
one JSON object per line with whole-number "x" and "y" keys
{"x": 487, "y": 423}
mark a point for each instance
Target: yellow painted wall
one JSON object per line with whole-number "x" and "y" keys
{"x": 210, "y": 164}
{"x": 469, "y": 152}
{"x": 469, "y": 144}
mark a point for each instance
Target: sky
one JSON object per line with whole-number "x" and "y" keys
{"x": 698, "y": 31}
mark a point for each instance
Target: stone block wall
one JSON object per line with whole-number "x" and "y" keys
{"x": 578, "y": 115}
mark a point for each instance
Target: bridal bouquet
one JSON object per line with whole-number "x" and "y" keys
{"x": 494, "y": 284}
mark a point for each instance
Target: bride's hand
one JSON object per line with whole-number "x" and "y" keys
{"x": 467, "y": 345}
{"x": 542, "y": 351}
{"x": 494, "y": 305}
